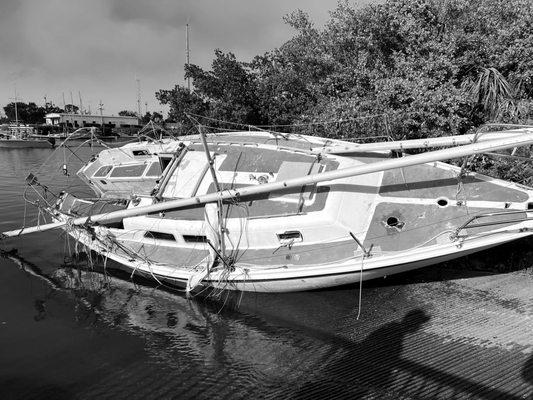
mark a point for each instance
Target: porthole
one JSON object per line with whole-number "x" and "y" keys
{"x": 392, "y": 222}
{"x": 442, "y": 202}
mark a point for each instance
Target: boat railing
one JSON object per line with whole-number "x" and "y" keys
{"x": 472, "y": 223}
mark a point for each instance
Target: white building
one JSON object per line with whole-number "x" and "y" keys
{"x": 81, "y": 120}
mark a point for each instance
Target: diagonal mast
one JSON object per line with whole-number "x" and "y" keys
{"x": 253, "y": 190}
{"x": 211, "y": 163}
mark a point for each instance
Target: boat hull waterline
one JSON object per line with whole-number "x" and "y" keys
{"x": 273, "y": 280}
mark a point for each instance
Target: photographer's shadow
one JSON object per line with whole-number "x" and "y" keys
{"x": 368, "y": 366}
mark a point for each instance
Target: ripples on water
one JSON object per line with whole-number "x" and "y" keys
{"x": 68, "y": 330}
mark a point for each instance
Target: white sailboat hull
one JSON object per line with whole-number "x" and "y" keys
{"x": 305, "y": 277}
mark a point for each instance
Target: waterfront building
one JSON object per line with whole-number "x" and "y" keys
{"x": 82, "y": 120}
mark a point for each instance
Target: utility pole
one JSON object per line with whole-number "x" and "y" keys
{"x": 16, "y": 111}
{"x": 138, "y": 97}
{"x": 81, "y": 104}
{"x": 145, "y": 107}
{"x": 188, "y": 54}
{"x": 71, "y": 102}
{"x": 64, "y": 105}
{"x": 101, "y": 108}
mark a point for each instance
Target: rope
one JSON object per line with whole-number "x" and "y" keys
{"x": 360, "y": 301}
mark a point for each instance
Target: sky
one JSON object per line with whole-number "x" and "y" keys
{"x": 105, "y": 49}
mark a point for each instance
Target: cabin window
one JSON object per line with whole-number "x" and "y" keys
{"x": 290, "y": 235}
{"x": 160, "y": 235}
{"x": 164, "y": 161}
{"x": 442, "y": 202}
{"x": 128, "y": 171}
{"x": 140, "y": 153}
{"x": 154, "y": 170}
{"x": 103, "y": 171}
{"x": 195, "y": 238}
{"x": 288, "y": 238}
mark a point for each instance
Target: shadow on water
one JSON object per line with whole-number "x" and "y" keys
{"x": 228, "y": 351}
{"x": 367, "y": 365}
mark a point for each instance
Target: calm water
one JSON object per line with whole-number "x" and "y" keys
{"x": 69, "y": 331}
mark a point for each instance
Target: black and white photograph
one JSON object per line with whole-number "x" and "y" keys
{"x": 245, "y": 199}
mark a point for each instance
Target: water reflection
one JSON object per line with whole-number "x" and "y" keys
{"x": 203, "y": 350}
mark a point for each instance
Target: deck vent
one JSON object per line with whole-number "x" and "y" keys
{"x": 442, "y": 202}
{"x": 160, "y": 235}
{"x": 195, "y": 238}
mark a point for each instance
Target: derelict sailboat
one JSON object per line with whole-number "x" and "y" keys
{"x": 268, "y": 212}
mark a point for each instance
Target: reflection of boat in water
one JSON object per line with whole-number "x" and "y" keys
{"x": 174, "y": 327}
{"x": 270, "y": 212}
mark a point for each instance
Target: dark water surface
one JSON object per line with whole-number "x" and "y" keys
{"x": 70, "y": 331}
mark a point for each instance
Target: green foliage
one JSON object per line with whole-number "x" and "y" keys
{"x": 28, "y": 113}
{"x": 71, "y": 109}
{"x": 50, "y": 107}
{"x": 229, "y": 89}
{"x": 402, "y": 68}
{"x": 127, "y": 113}
{"x": 181, "y": 102}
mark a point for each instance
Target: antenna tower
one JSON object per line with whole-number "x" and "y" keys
{"x": 139, "y": 97}
{"x": 101, "y": 108}
{"x": 81, "y": 103}
{"x": 188, "y": 54}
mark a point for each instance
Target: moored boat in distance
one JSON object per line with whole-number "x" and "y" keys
{"x": 269, "y": 212}
{"x": 21, "y": 136}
